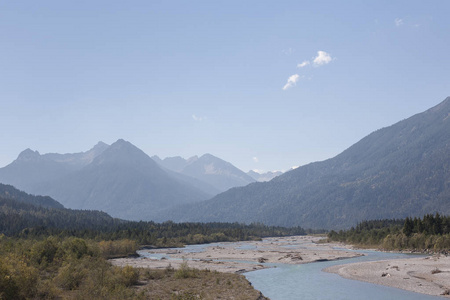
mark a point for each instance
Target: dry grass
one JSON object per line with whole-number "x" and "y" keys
{"x": 205, "y": 285}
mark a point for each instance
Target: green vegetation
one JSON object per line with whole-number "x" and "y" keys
{"x": 55, "y": 268}
{"x": 430, "y": 233}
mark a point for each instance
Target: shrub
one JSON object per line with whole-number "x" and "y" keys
{"x": 71, "y": 275}
{"x": 75, "y": 248}
{"x": 18, "y": 280}
{"x": 184, "y": 271}
{"x": 45, "y": 251}
{"x": 129, "y": 276}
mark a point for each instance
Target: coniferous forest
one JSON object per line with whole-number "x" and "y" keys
{"x": 428, "y": 234}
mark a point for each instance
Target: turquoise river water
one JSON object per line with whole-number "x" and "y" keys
{"x": 308, "y": 281}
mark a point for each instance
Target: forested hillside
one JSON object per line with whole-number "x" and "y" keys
{"x": 10, "y": 192}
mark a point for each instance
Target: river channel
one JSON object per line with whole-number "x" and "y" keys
{"x": 308, "y": 281}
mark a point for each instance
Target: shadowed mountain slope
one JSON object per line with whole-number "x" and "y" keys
{"x": 398, "y": 171}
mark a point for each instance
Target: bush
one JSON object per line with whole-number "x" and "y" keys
{"x": 75, "y": 248}
{"x": 18, "y": 280}
{"x": 8, "y": 287}
{"x": 123, "y": 247}
{"x": 184, "y": 271}
{"x": 129, "y": 276}
{"x": 71, "y": 275}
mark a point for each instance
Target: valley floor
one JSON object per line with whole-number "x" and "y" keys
{"x": 426, "y": 275}
{"x": 242, "y": 256}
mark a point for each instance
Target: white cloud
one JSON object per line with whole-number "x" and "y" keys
{"x": 303, "y": 64}
{"x": 322, "y": 58}
{"x": 292, "y": 80}
{"x": 255, "y": 159}
{"x": 199, "y": 119}
{"x": 398, "y": 22}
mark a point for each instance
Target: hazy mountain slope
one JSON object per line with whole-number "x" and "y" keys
{"x": 398, "y": 171}
{"x": 31, "y": 169}
{"x": 122, "y": 181}
{"x": 215, "y": 172}
{"x": 262, "y": 177}
{"x": 78, "y": 160}
{"x": 220, "y": 174}
{"x": 175, "y": 164}
{"x": 206, "y": 188}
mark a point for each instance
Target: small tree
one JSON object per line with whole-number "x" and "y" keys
{"x": 408, "y": 227}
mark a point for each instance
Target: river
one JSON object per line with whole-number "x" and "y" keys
{"x": 308, "y": 281}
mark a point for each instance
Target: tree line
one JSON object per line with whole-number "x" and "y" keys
{"x": 430, "y": 233}
{"x": 24, "y": 220}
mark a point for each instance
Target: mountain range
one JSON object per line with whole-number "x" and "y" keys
{"x": 214, "y": 171}
{"x": 399, "y": 171}
{"x": 120, "y": 179}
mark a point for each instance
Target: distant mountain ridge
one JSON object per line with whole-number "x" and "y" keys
{"x": 262, "y": 177}
{"x": 119, "y": 179}
{"x": 78, "y": 160}
{"x": 208, "y": 168}
{"x": 398, "y": 171}
{"x": 31, "y": 169}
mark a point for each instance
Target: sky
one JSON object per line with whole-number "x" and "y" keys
{"x": 265, "y": 85}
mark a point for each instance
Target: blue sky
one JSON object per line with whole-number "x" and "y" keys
{"x": 242, "y": 80}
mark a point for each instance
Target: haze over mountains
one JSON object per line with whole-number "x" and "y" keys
{"x": 398, "y": 171}
{"x": 261, "y": 177}
{"x": 210, "y": 169}
{"x": 119, "y": 179}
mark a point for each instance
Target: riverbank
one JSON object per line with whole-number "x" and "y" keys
{"x": 426, "y": 275}
{"x": 242, "y": 257}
